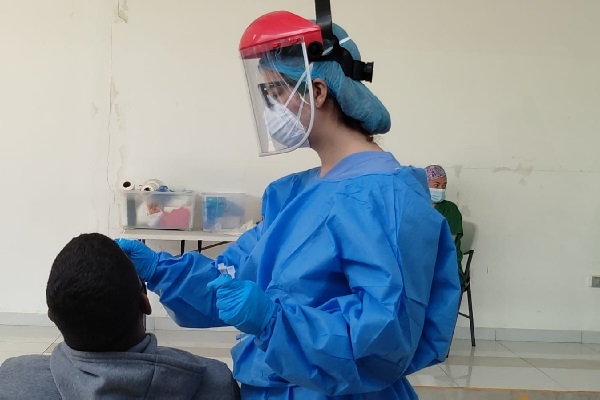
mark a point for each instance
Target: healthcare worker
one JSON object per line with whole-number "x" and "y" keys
{"x": 349, "y": 283}
{"x": 437, "y": 182}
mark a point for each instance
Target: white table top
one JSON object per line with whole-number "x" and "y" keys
{"x": 157, "y": 234}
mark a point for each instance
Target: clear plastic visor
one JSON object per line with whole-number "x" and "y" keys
{"x": 281, "y": 94}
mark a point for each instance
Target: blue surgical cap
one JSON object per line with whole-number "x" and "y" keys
{"x": 354, "y": 98}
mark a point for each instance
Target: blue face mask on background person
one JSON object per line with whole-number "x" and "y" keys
{"x": 437, "y": 195}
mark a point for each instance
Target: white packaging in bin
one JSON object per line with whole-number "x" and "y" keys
{"x": 157, "y": 210}
{"x": 223, "y": 212}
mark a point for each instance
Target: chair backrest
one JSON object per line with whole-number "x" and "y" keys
{"x": 469, "y": 238}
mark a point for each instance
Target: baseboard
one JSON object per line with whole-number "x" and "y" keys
{"x": 462, "y": 332}
{"x": 590, "y": 337}
{"x": 529, "y": 335}
{"x": 537, "y": 335}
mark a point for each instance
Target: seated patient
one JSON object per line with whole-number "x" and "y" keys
{"x": 437, "y": 181}
{"x": 99, "y": 304}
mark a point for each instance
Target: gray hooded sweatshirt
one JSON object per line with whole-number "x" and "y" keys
{"x": 146, "y": 371}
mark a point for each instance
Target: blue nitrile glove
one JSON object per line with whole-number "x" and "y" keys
{"x": 242, "y": 304}
{"x": 143, "y": 258}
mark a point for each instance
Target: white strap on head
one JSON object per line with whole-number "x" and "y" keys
{"x": 298, "y": 85}
{"x": 330, "y": 49}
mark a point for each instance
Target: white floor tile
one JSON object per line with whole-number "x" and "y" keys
{"x": 203, "y": 338}
{"x": 535, "y": 335}
{"x": 487, "y": 361}
{"x": 24, "y": 347}
{"x": 500, "y": 377}
{"x": 563, "y": 363}
{"x": 51, "y": 348}
{"x": 28, "y": 333}
{"x": 432, "y": 376}
{"x": 575, "y": 379}
{"x": 484, "y": 348}
{"x": 572, "y": 351}
{"x": 505, "y": 365}
{"x": 594, "y": 346}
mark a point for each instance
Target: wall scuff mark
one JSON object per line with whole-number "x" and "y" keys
{"x": 123, "y": 11}
{"x": 457, "y": 170}
{"x": 523, "y": 170}
{"x": 94, "y": 109}
{"x": 465, "y": 211}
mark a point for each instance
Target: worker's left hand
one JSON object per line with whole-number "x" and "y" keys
{"x": 143, "y": 258}
{"x": 242, "y": 304}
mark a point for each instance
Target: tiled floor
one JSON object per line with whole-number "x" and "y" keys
{"x": 502, "y": 365}
{"x": 517, "y": 365}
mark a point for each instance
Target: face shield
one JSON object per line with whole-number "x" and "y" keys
{"x": 281, "y": 94}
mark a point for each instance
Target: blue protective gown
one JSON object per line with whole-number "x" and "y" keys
{"x": 363, "y": 273}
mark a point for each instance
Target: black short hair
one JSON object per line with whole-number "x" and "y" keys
{"x": 94, "y": 294}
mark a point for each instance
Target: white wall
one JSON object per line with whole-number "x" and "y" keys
{"x": 54, "y": 108}
{"x": 505, "y": 94}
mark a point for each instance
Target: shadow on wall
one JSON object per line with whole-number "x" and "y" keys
{"x": 469, "y": 239}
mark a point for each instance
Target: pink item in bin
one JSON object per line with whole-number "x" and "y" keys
{"x": 157, "y": 210}
{"x": 176, "y": 219}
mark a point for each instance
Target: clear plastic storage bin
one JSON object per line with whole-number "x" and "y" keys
{"x": 222, "y": 212}
{"x": 157, "y": 210}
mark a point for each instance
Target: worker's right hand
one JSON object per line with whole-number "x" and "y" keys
{"x": 143, "y": 258}
{"x": 242, "y": 304}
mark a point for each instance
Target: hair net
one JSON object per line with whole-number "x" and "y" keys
{"x": 434, "y": 172}
{"x": 354, "y": 98}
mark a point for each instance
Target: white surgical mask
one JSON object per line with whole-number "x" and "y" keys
{"x": 437, "y": 195}
{"x": 284, "y": 127}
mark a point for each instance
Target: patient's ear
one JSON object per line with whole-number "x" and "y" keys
{"x": 146, "y": 308}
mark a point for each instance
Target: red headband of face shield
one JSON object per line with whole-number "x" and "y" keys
{"x": 282, "y": 29}
{"x": 279, "y": 30}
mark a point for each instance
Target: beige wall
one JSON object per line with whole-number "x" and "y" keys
{"x": 504, "y": 94}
